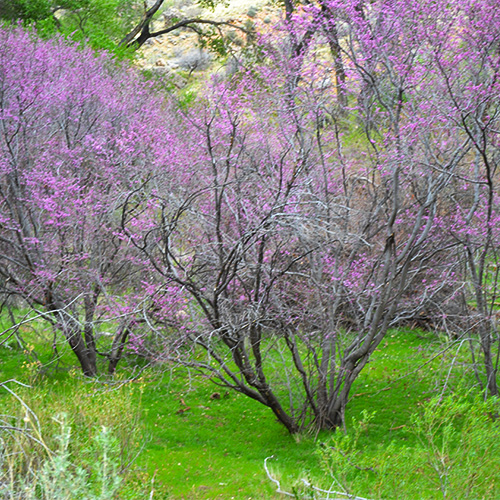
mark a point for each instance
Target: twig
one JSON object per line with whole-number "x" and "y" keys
{"x": 309, "y": 485}
{"x": 275, "y": 481}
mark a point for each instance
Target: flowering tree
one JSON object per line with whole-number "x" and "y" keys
{"x": 73, "y": 143}
{"x": 467, "y": 101}
{"x": 270, "y": 236}
{"x": 297, "y": 236}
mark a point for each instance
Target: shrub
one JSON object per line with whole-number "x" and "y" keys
{"x": 457, "y": 454}
{"x": 84, "y": 452}
{"x": 195, "y": 60}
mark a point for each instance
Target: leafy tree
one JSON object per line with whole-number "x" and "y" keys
{"x": 121, "y": 26}
{"x": 100, "y": 23}
{"x": 141, "y": 32}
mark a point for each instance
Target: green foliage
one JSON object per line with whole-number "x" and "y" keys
{"x": 55, "y": 474}
{"x": 457, "y": 454}
{"x": 26, "y": 10}
{"x": 217, "y": 45}
{"x": 186, "y": 99}
{"x": 59, "y": 479}
{"x": 252, "y": 11}
{"x": 460, "y": 440}
{"x": 341, "y": 456}
{"x": 98, "y": 23}
{"x": 86, "y": 452}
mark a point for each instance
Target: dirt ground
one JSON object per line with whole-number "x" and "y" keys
{"x": 178, "y": 53}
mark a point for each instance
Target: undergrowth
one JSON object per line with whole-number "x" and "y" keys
{"x": 413, "y": 430}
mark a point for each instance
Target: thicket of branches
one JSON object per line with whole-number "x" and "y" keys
{"x": 270, "y": 233}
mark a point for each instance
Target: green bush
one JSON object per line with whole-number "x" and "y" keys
{"x": 456, "y": 455}
{"x": 57, "y": 474}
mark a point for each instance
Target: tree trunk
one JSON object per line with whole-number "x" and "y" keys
{"x": 485, "y": 325}
{"x": 332, "y": 36}
{"x": 117, "y": 347}
{"x": 70, "y": 328}
{"x": 88, "y": 329}
{"x": 281, "y": 415}
{"x": 87, "y": 359}
{"x": 491, "y": 372}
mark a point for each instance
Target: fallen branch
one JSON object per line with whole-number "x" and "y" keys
{"x": 275, "y": 481}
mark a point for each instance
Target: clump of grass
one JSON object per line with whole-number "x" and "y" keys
{"x": 71, "y": 439}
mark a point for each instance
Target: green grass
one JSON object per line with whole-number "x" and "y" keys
{"x": 198, "y": 446}
{"x": 400, "y": 376}
{"x": 408, "y": 369}
{"x": 203, "y": 447}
